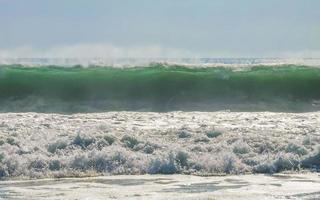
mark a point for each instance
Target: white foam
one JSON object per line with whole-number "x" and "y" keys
{"x": 120, "y": 56}
{"x": 145, "y": 62}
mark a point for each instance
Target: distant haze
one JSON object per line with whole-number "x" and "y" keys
{"x": 159, "y": 28}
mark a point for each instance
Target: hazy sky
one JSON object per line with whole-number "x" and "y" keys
{"x": 164, "y": 28}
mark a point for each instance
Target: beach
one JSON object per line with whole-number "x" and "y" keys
{"x": 170, "y": 99}
{"x": 245, "y": 187}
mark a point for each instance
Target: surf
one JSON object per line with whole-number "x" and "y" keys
{"x": 159, "y": 87}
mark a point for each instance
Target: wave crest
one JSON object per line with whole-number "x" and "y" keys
{"x": 159, "y": 88}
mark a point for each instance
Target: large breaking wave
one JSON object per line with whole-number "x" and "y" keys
{"x": 159, "y": 87}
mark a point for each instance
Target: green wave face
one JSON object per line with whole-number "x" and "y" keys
{"x": 158, "y": 88}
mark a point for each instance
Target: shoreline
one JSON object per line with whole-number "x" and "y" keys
{"x": 280, "y": 186}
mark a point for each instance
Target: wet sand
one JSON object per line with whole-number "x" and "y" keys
{"x": 280, "y": 186}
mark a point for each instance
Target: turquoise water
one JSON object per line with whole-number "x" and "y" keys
{"x": 158, "y": 88}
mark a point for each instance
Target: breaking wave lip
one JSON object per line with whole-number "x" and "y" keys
{"x": 147, "y": 62}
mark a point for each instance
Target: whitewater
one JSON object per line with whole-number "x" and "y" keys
{"x": 215, "y": 122}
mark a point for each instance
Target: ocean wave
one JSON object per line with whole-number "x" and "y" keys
{"x": 158, "y": 88}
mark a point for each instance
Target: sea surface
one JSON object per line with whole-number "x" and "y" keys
{"x": 69, "y": 86}
{"x": 64, "y": 118}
